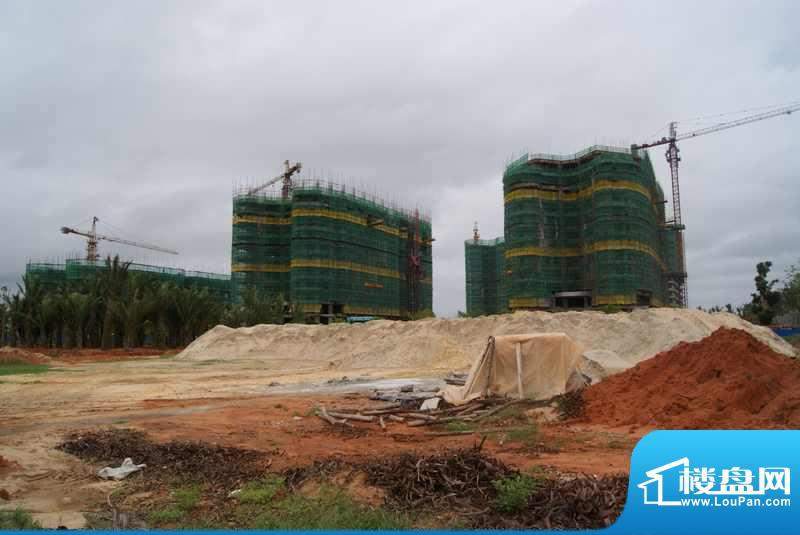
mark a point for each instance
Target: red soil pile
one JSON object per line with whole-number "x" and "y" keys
{"x": 726, "y": 380}
{"x": 7, "y": 465}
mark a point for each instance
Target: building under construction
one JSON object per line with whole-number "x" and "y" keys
{"x": 582, "y": 230}
{"x": 78, "y": 270}
{"x": 331, "y": 251}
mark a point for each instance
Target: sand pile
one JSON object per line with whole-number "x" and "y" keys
{"x": 15, "y": 355}
{"x": 447, "y": 344}
{"x": 728, "y": 379}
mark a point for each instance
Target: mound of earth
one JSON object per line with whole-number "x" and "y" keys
{"x": 727, "y": 380}
{"x": 15, "y": 355}
{"x": 446, "y": 344}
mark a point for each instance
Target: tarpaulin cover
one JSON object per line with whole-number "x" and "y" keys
{"x": 534, "y": 366}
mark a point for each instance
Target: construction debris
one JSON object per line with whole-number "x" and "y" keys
{"x": 457, "y": 379}
{"x": 430, "y": 404}
{"x": 575, "y": 502}
{"x": 220, "y": 465}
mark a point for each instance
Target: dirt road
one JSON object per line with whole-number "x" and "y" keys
{"x": 234, "y": 403}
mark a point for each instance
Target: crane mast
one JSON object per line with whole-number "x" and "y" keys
{"x": 93, "y": 237}
{"x": 677, "y": 281}
{"x": 285, "y": 178}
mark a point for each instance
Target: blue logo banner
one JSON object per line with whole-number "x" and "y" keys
{"x": 713, "y": 482}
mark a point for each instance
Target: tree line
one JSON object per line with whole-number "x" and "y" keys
{"x": 771, "y": 298}
{"x": 121, "y": 308}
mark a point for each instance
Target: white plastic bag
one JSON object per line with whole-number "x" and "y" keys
{"x": 121, "y": 471}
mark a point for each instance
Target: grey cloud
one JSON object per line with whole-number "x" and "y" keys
{"x": 147, "y": 113}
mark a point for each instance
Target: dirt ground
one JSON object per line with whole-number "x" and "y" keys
{"x": 230, "y": 403}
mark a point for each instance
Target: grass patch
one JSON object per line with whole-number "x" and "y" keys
{"x": 512, "y": 414}
{"x": 513, "y": 492}
{"x": 167, "y": 515}
{"x": 458, "y": 426}
{"x": 185, "y": 498}
{"x": 332, "y": 509}
{"x": 21, "y": 368}
{"x": 17, "y": 519}
{"x": 261, "y": 492}
{"x": 526, "y": 435}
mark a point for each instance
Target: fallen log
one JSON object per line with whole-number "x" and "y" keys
{"x": 383, "y": 424}
{"x": 417, "y": 423}
{"x": 330, "y": 419}
{"x": 347, "y": 416}
{"x": 395, "y": 418}
{"x": 419, "y": 415}
{"x": 388, "y": 409}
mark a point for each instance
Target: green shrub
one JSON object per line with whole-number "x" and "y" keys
{"x": 187, "y": 498}
{"x": 513, "y": 492}
{"x": 17, "y": 519}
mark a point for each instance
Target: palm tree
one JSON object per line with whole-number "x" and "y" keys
{"x": 113, "y": 280}
{"x": 77, "y": 307}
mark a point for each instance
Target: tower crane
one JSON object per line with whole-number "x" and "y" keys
{"x": 286, "y": 177}
{"x": 93, "y": 237}
{"x": 673, "y": 158}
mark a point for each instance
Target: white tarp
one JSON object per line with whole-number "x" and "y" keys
{"x": 534, "y": 366}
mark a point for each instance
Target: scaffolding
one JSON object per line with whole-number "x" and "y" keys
{"x": 333, "y": 251}
{"x": 586, "y": 228}
{"x": 485, "y": 276}
{"x": 260, "y": 245}
{"x": 78, "y": 271}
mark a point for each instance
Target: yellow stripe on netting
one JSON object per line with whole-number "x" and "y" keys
{"x": 543, "y": 251}
{"x": 365, "y": 311}
{"x": 350, "y": 218}
{"x": 625, "y": 245}
{"x": 608, "y": 245}
{"x": 261, "y": 220}
{"x": 528, "y": 302}
{"x": 618, "y": 299}
{"x": 349, "y": 266}
{"x": 260, "y": 268}
{"x": 549, "y": 195}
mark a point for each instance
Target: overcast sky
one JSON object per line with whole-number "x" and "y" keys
{"x": 147, "y": 113}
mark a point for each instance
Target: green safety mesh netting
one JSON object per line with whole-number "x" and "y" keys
{"x": 332, "y": 251}
{"x": 593, "y": 221}
{"x": 79, "y": 270}
{"x": 485, "y": 277}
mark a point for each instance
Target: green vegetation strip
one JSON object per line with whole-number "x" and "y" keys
{"x": 16, "y": 369}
